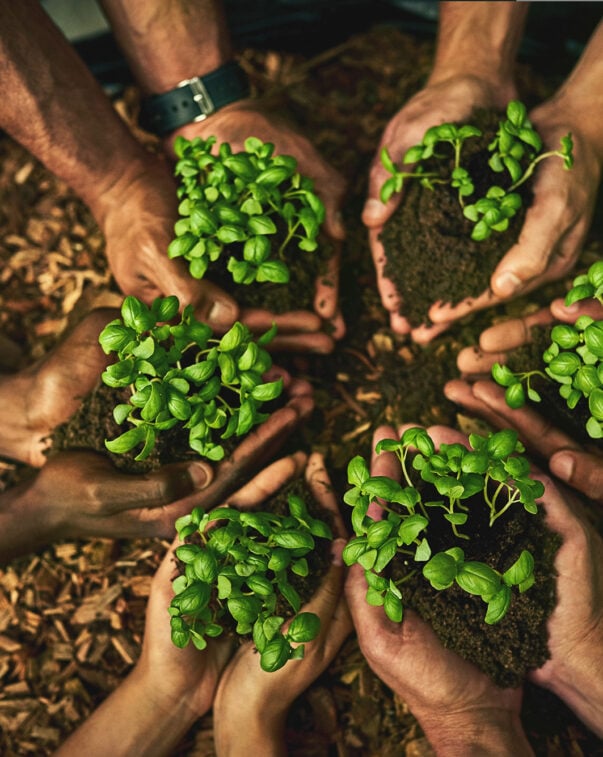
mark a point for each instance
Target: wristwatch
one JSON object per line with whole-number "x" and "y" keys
{"x": 194, "y": 99}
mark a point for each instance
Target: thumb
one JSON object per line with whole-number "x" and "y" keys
{"x": 581, "y": 470}
{"x": 375, "y": 212}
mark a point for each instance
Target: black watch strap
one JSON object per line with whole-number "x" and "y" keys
{"x": 194, "y": 99}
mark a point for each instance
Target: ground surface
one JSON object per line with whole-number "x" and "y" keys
{"x": 72, "y": 616}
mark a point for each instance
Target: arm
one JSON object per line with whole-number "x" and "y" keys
{"x": 55, "y": 108}
{"x": 166, "y": 43}
{"x": 473, "y": 67}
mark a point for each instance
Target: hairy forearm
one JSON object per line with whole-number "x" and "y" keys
{"x": 166, "y": 41}
{"x": 54, "y": 107}
{"x": 479, "y": 39}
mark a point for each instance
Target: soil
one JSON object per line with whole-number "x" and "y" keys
{"x": 450, "y": 266}
{"x": 72, "y": 615}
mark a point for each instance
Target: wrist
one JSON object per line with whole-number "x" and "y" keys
{"x": 255, "y": 733}
{"x": 497, "y": 733}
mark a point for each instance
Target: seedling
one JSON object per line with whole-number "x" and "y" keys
{"x": 490, "y": 469}
{"x": 251, "y": 206}
{"x": 516, "y": 151}
{"x": 180, "y": 374}
{"x": 235, "y": 575}
{"x": 574, "y": 359}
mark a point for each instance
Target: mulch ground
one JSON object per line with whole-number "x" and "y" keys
{"x": 72, "y": 616}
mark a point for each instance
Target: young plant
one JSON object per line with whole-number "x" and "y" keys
{"x": 490, "y": 469}
{"x": 237, "y": 574}
{"x": 516, "y": 151}
{"x": 252, "y": 206}
{"x": 574, "y": 359}
{"x": 179, "y": 373}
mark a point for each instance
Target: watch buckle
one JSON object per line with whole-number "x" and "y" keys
{"x": 200, "y": 96}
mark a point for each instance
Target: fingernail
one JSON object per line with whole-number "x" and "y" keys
{"x": 562, "y": 465}
{"x": 200, "y": 475}
{"x": 222, "y": 313}
{"x": 336, "y": 551}
{"x": 507, "y": 283}
{"x": 373, "y": 209}
{"x": 571, "y": 309}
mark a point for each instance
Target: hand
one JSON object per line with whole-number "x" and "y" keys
{"x": 258, "y": 701}
{"x": 458, "y": 707}
{"x": 169, "y": 688}
{"x": 299, "y": 329}
{"x": 574, "y": 670}
{"x": 566, "y": 459}
{"x": 447, "y": 99}
{"x": 137, "y": 219}
{"x": 80, "y": 494}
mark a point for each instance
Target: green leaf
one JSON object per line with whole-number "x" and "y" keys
{"x": 382, "y": 487}
{"x": 498, "y": 606}
{"x": 565, "y": 364}
{"x": 244, "y": 609}
{"x": 440, "y": 570}
{"x": 595, "y": 405}
{"x": 354, "y": 549}
{"x": 193, "y": 599}
{"x": 304, "y": 627}
{"x": 515, "y": 396}
{"x": 256, "y": 249}
{"x": 290, "y": 594}
{"x": 136, "y": 315}
{"x": 126, "y": 441}
{"x": 229, "y": 233}
{"x": 275, "y": 654}
{"x": 566, "y": 336}
{"x": 293, "y": 539}
{"x": 393, "y": 607}
{"x": 273, "y": 270}
{"x": 521, "y": 569}
{"x": 358, "y": 471}
{"x": 378, "y": 532}
{"x": 419, "y": 438}
{"x": 502, "y": 443}
{"x": 411, "y": 527}
{"x": 503, "y": 375}
{"x": 593, "y": 338}
{"x": 261, "y": 225}
{"x": 274, "y": 176}
{"x": 205, "y": 566}
{"x": 423, "y": 551}
{"x": 180, "y": 633}
{"x": 268, "y": 392}
{"x": 478, "y": 578}
{"x": 385, "y": 555}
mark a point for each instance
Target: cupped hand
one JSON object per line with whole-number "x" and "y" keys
{"x": 447, "y": 99}
{"x": 567, "y": 459}
{"x": 453, "y": 701}
{"x": 556, "y": 223}
{"x": 137, "y": 219}
{"x": 575, "y": 669}
{"x": 299, "y": 330}
{"x": 258, "y": 701}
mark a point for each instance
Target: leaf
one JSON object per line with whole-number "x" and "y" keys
{"x": 385, "y": 555}
{"x": 521, "y": 569}
{"x": 393, "y": 607}
{"x": 126, "y": 441}
{"x": 261, "y": 225}
{"x": 275, "y": 654}
{"x": 502, "y": 443}
{"x": 423, "y": 551}
{"x": 515, "y": 396}
{"x": 304, "y": 627}
{"x": 354, "y": 549}
{"x": 503, "y": 375}
{"x": 275, "y": 271}
{"x": 411, "y": 527}
{"x": 268, "y": 392}
{"x": 244, "y": 609}
{"x": 478, "y": 578}
{"x": 358, "y": 471}
{"x": 440, "y": 570}
{"x": 498, "y": 606}
{"x": 256, "y": 249}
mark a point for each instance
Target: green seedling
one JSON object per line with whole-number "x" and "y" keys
{"x": 178, "y": 373}
{"x": 516, "y": 151}
{"x": 491, "y": 469}
{"x": 574, "y": 359}
{"x": 236, "y": 573}
{"x": 251, "y": 207}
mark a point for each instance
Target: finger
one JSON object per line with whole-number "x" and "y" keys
{"x": 442, "y": 312}
{"x": 445, "y": 435}
{"x": 581, "y": 470}
{"x": 212, "y": 305}
{"x": 425, "y": 333}
{"x": 322, "y": 490}
{"x": 268, "y": 481}
{"x": 472, "y": 361}
{"x": 293, "y": 322}
{"x": 513, "y": 333}
{"x": 376, "y": 213}
{"x": 569, "y": 314}
{"x": 326, "y": 287}
{"x": 261, "y": 444}
{"x": 383, "y": 464}
{"x": 317, "y": 343}
{"x": 389, "y": 295}
{"x": 399, "y": 324}
{"x": 370, "y": 622}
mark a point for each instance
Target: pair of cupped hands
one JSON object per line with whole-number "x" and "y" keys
{"x": 137, "y": 217}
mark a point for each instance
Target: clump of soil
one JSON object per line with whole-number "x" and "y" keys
{"x": 430, "y": 254}
{"x": 518, "y": 643}
{"x": 298, "y": 294}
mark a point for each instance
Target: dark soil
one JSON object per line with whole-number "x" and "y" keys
{"x": 430, "y": 254}
{"x": 507, "y": 650}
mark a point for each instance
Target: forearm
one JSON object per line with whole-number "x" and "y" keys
{"x": 581, "y": 96}
{"x": 134, "y": 721}
{"x": 497, "y": 735}
{"x": 257, "y": 734}
{"x": 53, "y": 106}
{"x": 166, "y": 41}
{"x": 23, "y": 527}
{"x": 478, "y": 39}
